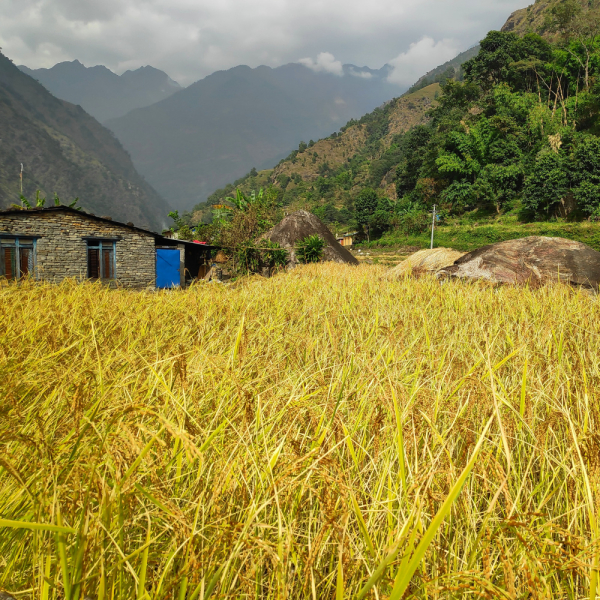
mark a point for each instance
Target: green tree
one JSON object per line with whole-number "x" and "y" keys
{"x": 547, "y": 184}
{"x": 579, "y": 25}
{"x": 586, "y": 175}
{"x": 413, "y": 147}
{"x": 365, "y": 206}
{"x": 506, "y": 58}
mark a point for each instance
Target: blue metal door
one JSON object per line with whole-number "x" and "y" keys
{"x": 167, "y": 268}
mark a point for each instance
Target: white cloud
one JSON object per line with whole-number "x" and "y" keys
{"x": 325, "y": 63}
{"x": 421, "y": 57}
{"x": 361, "y": 74}
{"x": 190, "y": 39}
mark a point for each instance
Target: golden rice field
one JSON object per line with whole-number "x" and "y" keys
{"x": 322, "y": 435}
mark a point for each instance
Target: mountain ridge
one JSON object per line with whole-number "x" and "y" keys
{"x": 102, "y": 93}
{"x": 216, "y": 129}
{"x": 65, "y": 150}
{"x": 533, "y": 18}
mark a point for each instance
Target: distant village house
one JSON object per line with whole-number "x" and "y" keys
{"x": 60, "y": 242}
{"x": 346, "y": 240}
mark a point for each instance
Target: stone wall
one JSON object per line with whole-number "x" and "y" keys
{"x": 61, "y": 250}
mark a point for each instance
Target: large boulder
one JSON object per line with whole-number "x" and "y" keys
{"x": 301, "y": 224}
{"x": 531, "y": 260}
{"x": 425, "y": 261}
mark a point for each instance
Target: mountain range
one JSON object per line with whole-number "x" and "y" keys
{"x": 188, "y": 142}
{"x": 102, "y": 93}
{"x": 220, "y": 127}
{"x": 66, "y": 151}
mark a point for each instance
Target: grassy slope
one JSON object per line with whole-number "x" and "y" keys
{"x": 249, "y": 436}
{"x": 469, "y": 236}
{"x": 533, "y": 18}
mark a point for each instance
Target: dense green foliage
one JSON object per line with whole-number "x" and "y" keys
{"x": 521, "y": 128}
{"x": 237, "y": 226}
{"x": 310, "y": 249}
{"x": 519, "y": 133}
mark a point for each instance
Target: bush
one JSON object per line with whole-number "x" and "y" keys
{"x": 380, "y": 221}
{"x": 411, "y": 217}
{"x": 587, "y": 196}
{"x": 587, "y": 175}
{"x": 460, "y": 195}
{"x": 310, "y": 249}
{"x": 547, "y": 184}
{"x": 250, "y": 258}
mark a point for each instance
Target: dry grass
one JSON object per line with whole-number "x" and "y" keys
{"x": 291, "y": 438}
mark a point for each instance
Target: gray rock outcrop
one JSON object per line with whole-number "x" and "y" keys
{"x": 301, "y": 224}
{"x": 531, "y": 260}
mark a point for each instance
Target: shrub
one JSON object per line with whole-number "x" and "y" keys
{"x": 547, "y": 184}
{"x": 587, "y": 196}
{"x": 460, "y": 195}
{"x": 380, "y": 221}
{"x": 310, "y": 249}
{"x": 251, "y": 256}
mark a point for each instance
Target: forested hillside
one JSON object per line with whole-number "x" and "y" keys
{"x": 519, "y": 135}
{"x": 65, "y": 151}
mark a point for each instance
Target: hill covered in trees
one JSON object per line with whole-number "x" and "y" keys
{"x": 66, "y": 151}
{"x": 519, "y": 135}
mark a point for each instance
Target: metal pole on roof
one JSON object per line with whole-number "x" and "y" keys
{"x": 21, "y": 179}
{"x": 432, "y": 226}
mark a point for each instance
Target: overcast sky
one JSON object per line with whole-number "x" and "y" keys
{"x": 190, "y": 39}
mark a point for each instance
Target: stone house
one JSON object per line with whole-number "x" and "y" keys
{"x": 60, "y": 242}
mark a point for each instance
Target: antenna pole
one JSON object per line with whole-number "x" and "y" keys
{"x": 433, "y": 226}
{"x": 21, "y": 179}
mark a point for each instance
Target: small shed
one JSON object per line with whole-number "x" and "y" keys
{"x": 346, "y": 240}
{"x": 61, "y": 242}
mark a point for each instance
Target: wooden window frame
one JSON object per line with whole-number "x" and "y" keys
{"x": 18, "y": 243}
{"x": 102, "y": 244}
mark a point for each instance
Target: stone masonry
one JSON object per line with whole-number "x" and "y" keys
{"x": 61, "y": 248}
